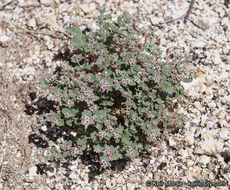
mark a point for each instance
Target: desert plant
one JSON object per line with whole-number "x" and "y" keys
{"x": 118, "y": 93}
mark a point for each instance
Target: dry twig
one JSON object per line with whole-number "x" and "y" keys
{"x": 185, "y": 17}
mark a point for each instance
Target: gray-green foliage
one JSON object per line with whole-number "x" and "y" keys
{"x": 119, "y": 92}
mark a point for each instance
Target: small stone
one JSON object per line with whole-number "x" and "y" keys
{"x": 208, "y": 134}
{"x": 88, "y": 8}
{"x": 190, "y": 163}
{"x": 148, "y": 2}
{"x": 225, "y": 21}
{"x": 153, "y": 161}
{"x": 221, "y": 92}
{"x": 189, "y": 137}
{"x": 183, "y": 153}
{"x": 169, "y": 171}
{"x": 73, "y": 167}
{"x": 209, "y": 147}
{"x": 49, "y": 43}
{"x": 212, "y": 105}
{"x": 44, "y": 128}
{"x": 204, "y": 159}
{"x": 108, "y": 184}
{"x": 150, "y": 175}
{"x": 28, "y": 73}
{"x": 47, "y": 2}
{"x": 95, "y": 186}
{"x": 216, "y": 59}
{"x": 224, "y": 134}
{"x": 4, "y": 40}
{"x": 195, "y": 121}
{"x": 73, "y": 176}
{"x": 210, "y": 125}
{"x": 199, "y": 43}
{"x": 113, "y": 182}
{"x": 171, "y": 142}
{"x": 222, "y": 115}
{"x": 120, "y": 179}
{"x": 203, "y": 120}
{"x": 51, "y": 174}
{"x": 100, "y": 2}
{"x": 131, "y": 186}
{"x": 224, "y": 123}
{"x": 20, "y": 2}
{"x": 32, "y": 172}
{"x": 32, "y": 23}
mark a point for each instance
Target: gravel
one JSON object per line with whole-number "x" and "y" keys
{"x": 200, "y": 151}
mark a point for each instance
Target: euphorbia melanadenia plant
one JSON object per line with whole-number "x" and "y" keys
{"x": 118, "y": 94}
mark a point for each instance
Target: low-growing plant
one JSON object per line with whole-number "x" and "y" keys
{"x": 118, "y": 93}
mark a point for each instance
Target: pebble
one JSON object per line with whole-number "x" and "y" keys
{"x": 27, "y": 73}
{"x": 131, "y": 186}
{"x": 204, "y": 159}
{"x": 73, "y": 175}
{"x": 32, "y": 172}
{"x": 120, "y": 180}
{"x": 183, "y": 153}
{"x": 225, "y": 134}
{"x": 32, "y": 23}
{"x": 88, "y": 8}
{"x": 209, "y": 147}
{"x": 189, "y": 137}
{"x": 4, "y": 40}
{"x": 47, "y": 2}
{"x": 108, "y": 184}
{"x": 212, "y": 105}
{"x": 44, "y": 128}
{"x": 172, "y": 142}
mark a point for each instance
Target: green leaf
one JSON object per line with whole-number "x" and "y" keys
{"x": 78, "y": 68}
{"x": 53, "y": 149}
{"x": 68, "y": 143}
{"x": 57, "y": 117}
{"x": 74, "y": 111}
{"x": 116, "y": 156}
{"x": 77, "y": 122}
{"x": 117, "y": 140}
{"x": 109, "y": 103}
{"x": 103, "y": 36}
{"x": 87, "y": 113}
{"x": 61, "y": 123}
{"x": 106, "y": 26}
{"x": 119, "y": 20}
{"x": 113, "y": 27}
{"x": 165, "y": 124}
{"x": 92, "y": 135}
{"x": 132, "y": 127}
{"x": 71, "y": 30}
{"x": 64, "y": 148}
{"x": 69, "y": 122}
{"x": 80, "y": 142}
{"x": 52, "y": 157}
{"x": 65, "y": 110}
{"x": 107, "y": 17}
{"x": 83, "y": 147}
{"x": 104, "y": 157}
{"x": 93, "y": 77}
{"x": 61, "y": 157}
{"x": 65, "y": 154}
